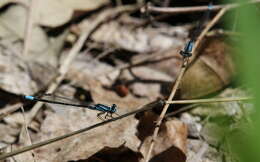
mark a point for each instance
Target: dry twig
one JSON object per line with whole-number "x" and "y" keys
{"x": 178, "y": 10}
{"x": 176, "y": 85}
{"x": 10, "y": 109}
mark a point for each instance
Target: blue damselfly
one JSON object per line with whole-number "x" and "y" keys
{"x": 187, "y": 51}
{"x": 53, "y": 99}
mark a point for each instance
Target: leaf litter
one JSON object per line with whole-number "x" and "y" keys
{"x": 143, "y": 68}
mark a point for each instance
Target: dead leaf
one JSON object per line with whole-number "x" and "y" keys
{"x": 54, "y": 13}
{"x": 8, "y": 133}
{"x": 85, "y": 73}
{"x": 138, "y": 39}
{"x": 41, "y": 49}
{"x": 146, "y": 82}
{"x": 211, "y": 72}
{"x": 84, "y": 145}
{"x": 170, "y": 145}
{"x": 13, "y": 24}
{"x": 14, "y": 76}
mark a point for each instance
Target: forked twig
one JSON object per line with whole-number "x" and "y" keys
{"x": 176, "y": 85}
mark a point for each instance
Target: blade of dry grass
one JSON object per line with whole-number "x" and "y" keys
{"x": 29, "y": 26}
{"x": 211, "y": 100}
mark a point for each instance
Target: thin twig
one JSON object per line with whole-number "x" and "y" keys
{"x": 178, "y": 10}
{"x": 165, "y": 108}
{"x": 27, "y": 133}
{"x": 104, "y": 53}
{"x": 147, "y": 107}
{"x": 211, "y": 100}
{"x": 108, "y": 14}
{"x": 29, "y": 27}
{"x": 176, "y": 85}
{"x": 141, "y": 61}
{"x": 206, "y": 29}
{"x": 8, "y": 110}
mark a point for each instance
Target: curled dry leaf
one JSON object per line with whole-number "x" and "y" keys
{"x": 211, "y": 72}
{"x": 170, "y": 143}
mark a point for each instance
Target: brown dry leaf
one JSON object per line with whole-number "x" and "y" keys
{"x": 138, "y": 39}
{"x": 54, "y": 13}
{"x": 211, "y": 72}
{"x": 170, "y": 145}
{"x": 214, "y": 66}
{"x": 85, "y": 145}
{"x": 146, "y": 82}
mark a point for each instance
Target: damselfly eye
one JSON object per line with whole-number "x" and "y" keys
{"x": 113, "y": 108}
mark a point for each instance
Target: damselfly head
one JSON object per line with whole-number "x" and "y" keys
{"x": 113, "y": 108}
{"x": 187, "y": 51}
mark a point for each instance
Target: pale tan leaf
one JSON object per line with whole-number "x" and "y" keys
{"x": 55, "y": 13}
